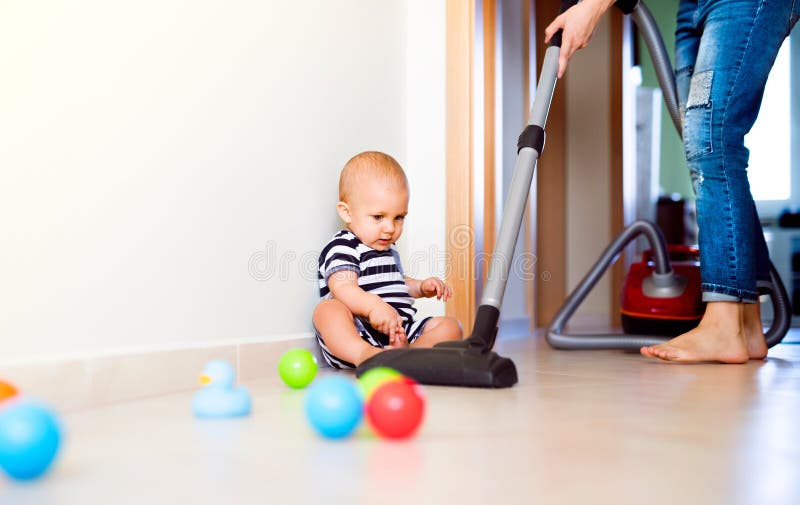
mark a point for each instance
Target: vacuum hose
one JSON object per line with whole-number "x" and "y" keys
{"x": 658, "y": 52}
{"x": 782, "y": 311}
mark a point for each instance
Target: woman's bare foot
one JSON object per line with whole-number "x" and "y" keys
{"x": 721, "y": 336}
{"x": 754, "y": 331}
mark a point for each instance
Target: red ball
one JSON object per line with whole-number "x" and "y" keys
{"x": 396, "y": 409}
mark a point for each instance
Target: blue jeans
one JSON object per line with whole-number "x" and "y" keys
{"x": 724, "y": 50}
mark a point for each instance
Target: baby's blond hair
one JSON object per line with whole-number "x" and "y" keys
{"x": 370, "y": 164}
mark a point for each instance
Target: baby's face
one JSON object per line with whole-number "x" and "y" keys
{"x": 375, "y": 213}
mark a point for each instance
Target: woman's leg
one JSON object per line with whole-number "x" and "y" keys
{"x": 738, "y": 42}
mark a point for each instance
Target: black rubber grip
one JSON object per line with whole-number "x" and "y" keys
{"x": 555, "y": 40}
{"x": 532, "y": 136}
{"x": 626, "y": 6}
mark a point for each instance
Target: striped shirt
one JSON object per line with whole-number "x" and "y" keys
{"x": 379, "y": 272}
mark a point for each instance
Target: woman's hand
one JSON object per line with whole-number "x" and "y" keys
{"x": 578, "y": 24}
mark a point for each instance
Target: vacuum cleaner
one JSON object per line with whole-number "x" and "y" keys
{"x": 644, "y": 309}
{"x": 471, "y": 362}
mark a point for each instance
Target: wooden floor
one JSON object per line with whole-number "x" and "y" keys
{"x": 580, "y": 427}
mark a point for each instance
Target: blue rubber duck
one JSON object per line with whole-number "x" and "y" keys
{"x": 219, "y": 398}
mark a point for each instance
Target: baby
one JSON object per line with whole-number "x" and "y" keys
{"x": 367, "y": 302}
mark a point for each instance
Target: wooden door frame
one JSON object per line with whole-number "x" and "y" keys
{"x": 459, "y": 222}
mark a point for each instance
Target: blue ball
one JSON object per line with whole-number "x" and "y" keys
{"x": 334, "y": 406}
{"x": 29, "y": 439}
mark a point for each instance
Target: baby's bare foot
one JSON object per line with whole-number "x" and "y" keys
{"x": 397, "y": 339}
{"x": 367, "y": 353}
{"x": 398, "y": 343}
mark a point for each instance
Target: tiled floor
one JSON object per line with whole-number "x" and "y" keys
{"x": 580, "y": 427}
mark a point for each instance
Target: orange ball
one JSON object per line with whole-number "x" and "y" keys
{"x": 7, "y": 391}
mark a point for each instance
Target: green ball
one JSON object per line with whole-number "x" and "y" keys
{"x": 297, "y": 368}
{"x": 375, "y": 377}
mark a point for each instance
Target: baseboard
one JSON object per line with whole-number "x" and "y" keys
{"x": 80, "y": 382}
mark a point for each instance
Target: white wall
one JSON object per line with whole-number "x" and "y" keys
{"x": 168, "y": 168}
{"x": 423, "y": 246}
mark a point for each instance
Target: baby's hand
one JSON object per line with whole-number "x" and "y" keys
{"x": 385, "y": 319}
{"x": 433, "y": 286}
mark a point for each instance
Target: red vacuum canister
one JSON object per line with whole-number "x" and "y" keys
{"x": 679, "y": 312}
